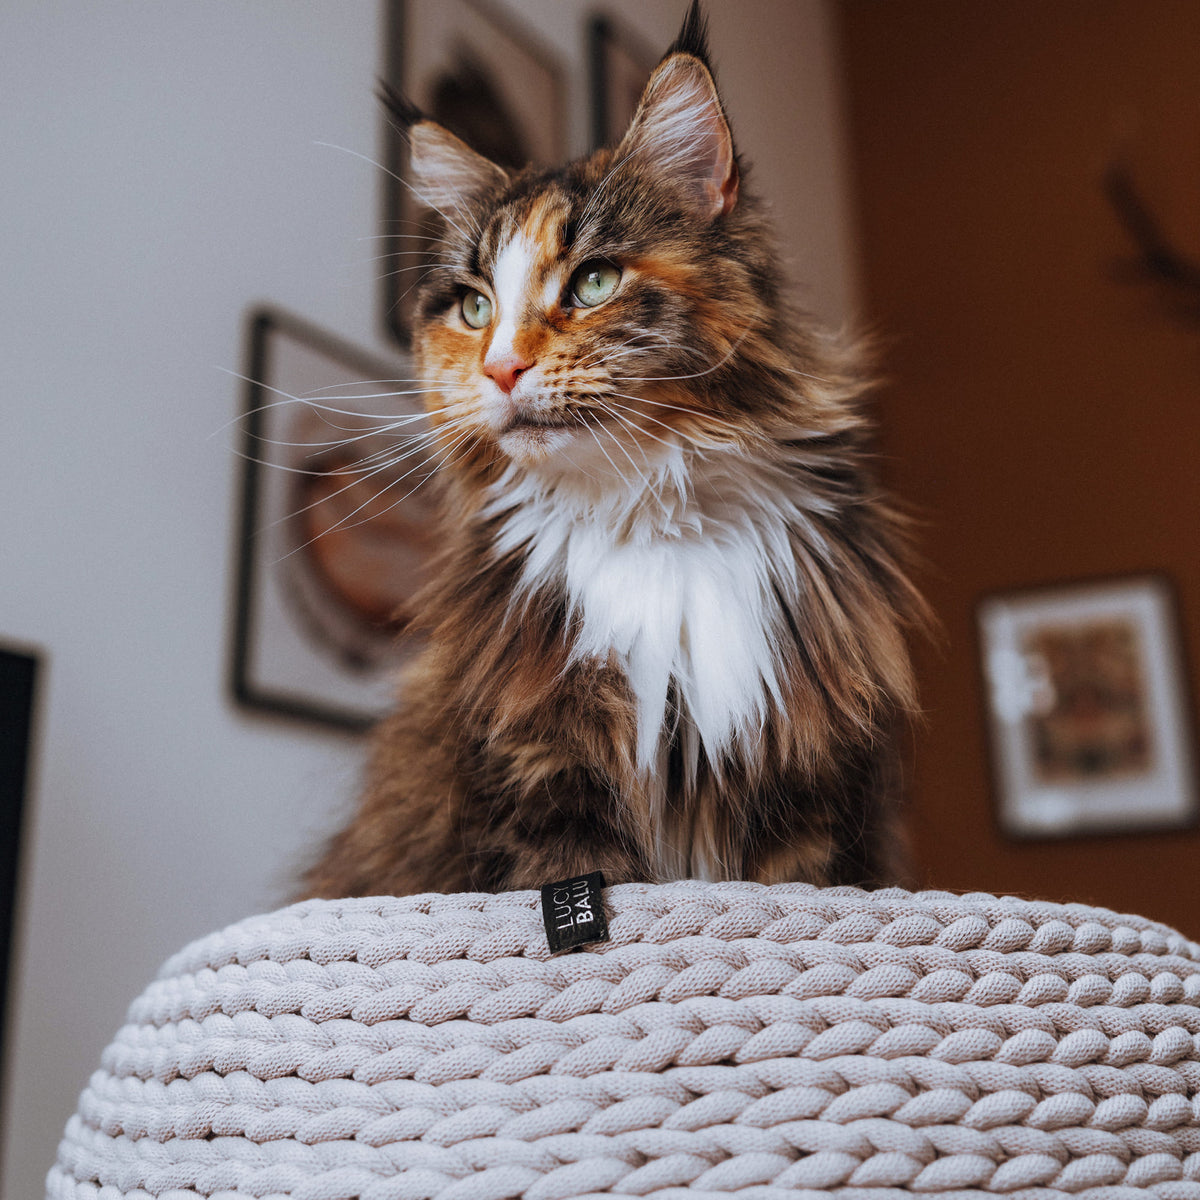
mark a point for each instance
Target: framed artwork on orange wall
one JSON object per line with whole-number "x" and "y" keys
{"x": 1088, "y": 708}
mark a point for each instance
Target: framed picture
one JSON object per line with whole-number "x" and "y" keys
{"x": 471, "y": 67}
{"x": 336, "y": 525}
{"x": 1088, "y": 708}
{"x": 20, "y": 671}
{"x": 619, "y": 64}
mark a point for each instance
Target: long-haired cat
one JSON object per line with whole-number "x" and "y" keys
{"x": 666, "y": 629}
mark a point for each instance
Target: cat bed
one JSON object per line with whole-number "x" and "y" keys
{"x": 730, "y": 1039}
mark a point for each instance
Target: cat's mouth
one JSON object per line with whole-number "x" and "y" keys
{"x": 529, "y": 423}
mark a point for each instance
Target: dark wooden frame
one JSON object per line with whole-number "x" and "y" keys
{"x": 614, "y": 51}
{"x": 264, "y": 326}
{"x": 21, "y": 684}
{"x": 1176, "y": 691}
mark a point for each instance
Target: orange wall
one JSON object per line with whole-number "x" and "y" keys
{"x": 1042, "y": 417}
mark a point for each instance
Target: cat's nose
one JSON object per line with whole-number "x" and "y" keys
{"x": 505, "y": 369}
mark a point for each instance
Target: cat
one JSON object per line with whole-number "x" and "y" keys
{"x": 667, "y": 630}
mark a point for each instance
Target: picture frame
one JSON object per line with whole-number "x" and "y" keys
{"x": 1088, "y": 708}
{"x": 21, "y": 674}
{"x": 619, "y": 66}
{"x": 335, "y": 528}
{"x": 446, "y": 56}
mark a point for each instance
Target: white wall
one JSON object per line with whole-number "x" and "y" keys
{"x": 161, "y": 175}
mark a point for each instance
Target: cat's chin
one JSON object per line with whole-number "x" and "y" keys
{"x": 532, "y": 443}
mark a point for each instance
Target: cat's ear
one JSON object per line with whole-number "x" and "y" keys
{"x": 446, "y": 174}
{"x": 680, "y": 129}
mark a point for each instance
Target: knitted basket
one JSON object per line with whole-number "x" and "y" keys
{"x": 766, "y": 1042}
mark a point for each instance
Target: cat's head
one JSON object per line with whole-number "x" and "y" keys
{"x": 601, "y": 310}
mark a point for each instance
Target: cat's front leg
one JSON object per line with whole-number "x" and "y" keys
{"x": 553, "y": 825}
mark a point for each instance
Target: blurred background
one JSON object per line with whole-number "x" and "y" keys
{"x": 937, "y": 172}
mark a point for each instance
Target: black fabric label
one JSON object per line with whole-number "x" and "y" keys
{"x": 573, "y": 911}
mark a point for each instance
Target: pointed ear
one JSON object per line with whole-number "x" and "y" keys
{"x": 681, "y": 132}
{"x": 447, "y": 175}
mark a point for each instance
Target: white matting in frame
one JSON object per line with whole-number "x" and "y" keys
{"x": 1088, "y": 708}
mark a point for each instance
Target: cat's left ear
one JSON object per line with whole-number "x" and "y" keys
{"x": 680, "y": 129}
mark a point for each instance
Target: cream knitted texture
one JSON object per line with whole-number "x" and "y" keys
{"x": 732, "y": 1039}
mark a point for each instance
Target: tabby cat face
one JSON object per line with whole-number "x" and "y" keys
{"x": 590, "y": 314}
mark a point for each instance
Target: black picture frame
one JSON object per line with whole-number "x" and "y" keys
{"x": 305, "y": 642}
{"x": 21, "y": 672}
{"x": 444, "y": 55}
{"x": 619, "y": 65}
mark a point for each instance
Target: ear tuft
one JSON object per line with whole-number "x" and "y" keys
{"x": 692, "y": 37}
{"x": 407, "y": 114}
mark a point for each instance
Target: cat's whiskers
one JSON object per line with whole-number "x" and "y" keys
{"x": 397, "y": 450}
{"x": 648, "y": 489}
{"x": 620, "y": 444}
{"x": 345, "y": 522}
{"x": 427, "y": 270}
{"x": 630, "y": 342}
{"x": 733, "y": 349}
{"x": 388, "y": 237}
{"x": 428, "y": 244}
{"x": 366, "y": 425}
{"x": 336, "y": 388}
{"x": 595, "y": 196}
{"x": 386, "y": 465}
{"x": 287, "y": 399}
{"x": 400, "y": 179}
{"x": 377, "y": 426}
{"x": 314, "y": 444}
{"x": 426, "y": 265}
{"x": 426, "y": 445}
{"x": 691, "y": 412}
{"x": 611, "y": 407}
{"x": 603, "y": 355}
{"x": 365, "y": 465}
{"x": 617, "y": 470}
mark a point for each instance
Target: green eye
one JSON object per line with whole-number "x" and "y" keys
{"x": 594, "y": 282}
{"x": 476, "y": 310}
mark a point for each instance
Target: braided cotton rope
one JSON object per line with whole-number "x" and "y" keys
{"x": 769, "y": 1042}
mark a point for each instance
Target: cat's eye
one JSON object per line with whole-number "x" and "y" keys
{"x": 594, "y": 282}
{"x": 476, "y": 310}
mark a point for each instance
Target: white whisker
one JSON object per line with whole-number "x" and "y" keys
{"x": 620, "y": 475}
{"x": 691, "y": 412}
{"x": 637, "y": 428}
{"x": 356, "y": 482}
{"x": 399, "y": 179}
{"x": 695, "y": 374}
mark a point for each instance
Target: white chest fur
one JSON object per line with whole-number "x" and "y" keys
{"x": 678, "y": 585}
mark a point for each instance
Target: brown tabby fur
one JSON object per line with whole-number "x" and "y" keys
{"x": 512, "y": 762}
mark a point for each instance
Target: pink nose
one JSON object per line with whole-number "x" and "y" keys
{"x": 505, "y": 369}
